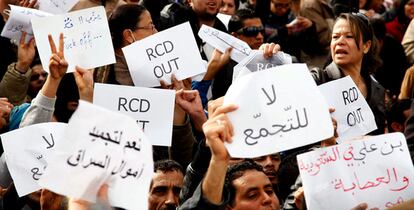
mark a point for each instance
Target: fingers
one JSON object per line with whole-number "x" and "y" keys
{"x": 61, "y": 45}
{"x": 103, "y": 193}
{"x": 228, "y": 52}
{"x": 269, "y": 49}
{"x": 214, "y": 104}
{"x": 32, "y": 4}
{"x": 80, "y": 70}
{"x": 361, "y": 206}
{"x": 164, "y": 85}
{"x": 23, "y": 38}
{"x": 52, "y": 44}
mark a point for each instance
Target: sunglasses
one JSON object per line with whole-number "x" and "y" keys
{"x": 35, "y": 77}
{"x": 251, "y": 31}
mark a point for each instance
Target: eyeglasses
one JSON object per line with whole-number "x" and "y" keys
{"x": 35, "y": 77}
{"x": 150, "y": 27}
{"x": 251, "y": 31}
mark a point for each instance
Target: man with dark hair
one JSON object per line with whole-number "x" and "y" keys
{"x": 246, "y": 186}
{"x": 248, "y": 27}
{"x": 166, "y": 185}
{"x": 198, "y": 12}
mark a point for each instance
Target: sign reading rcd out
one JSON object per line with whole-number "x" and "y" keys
{"x": 157, "y": 57}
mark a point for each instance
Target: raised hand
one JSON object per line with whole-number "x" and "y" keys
{"x": 218, "y": 129}
{"x": 57, "y": 63}
{"x": 57, "y": 68}
{"x": 190, "y": 102}
{"x": 25, "y": 54}
{"x": 84, "y": 80}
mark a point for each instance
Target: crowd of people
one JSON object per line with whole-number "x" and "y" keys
{"x": 371, "y": 41}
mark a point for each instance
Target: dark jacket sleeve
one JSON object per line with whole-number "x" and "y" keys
{"x": 182, "y": 143}
{"x": 197, "y": 201}
{"x": 195, "y": 171}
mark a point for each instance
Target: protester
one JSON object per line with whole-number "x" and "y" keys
{"x": 321, "y": 13}
{"x": 212, "y": 179}
{"x": 128, "y": 23}
{"x": 166, "y": 185}
{"x": 405, "y": 13}
{"x": 229, "y": 7}
{"x": 354, "y": 54}
{"x": 291, "y": 31}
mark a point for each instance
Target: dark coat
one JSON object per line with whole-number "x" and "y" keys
{"x": 375, "y": 97}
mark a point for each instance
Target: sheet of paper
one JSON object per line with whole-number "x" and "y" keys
{"x": 280, "y": 108}
{"x": 221, "y": 41}
{"x": 153, "y": 109}
{"x": 377, "y": 170}
{"x": 352, "y": 112}
{"x": 173, "y": 51}
{"x": 257, "y": 62}
{"x": 102, "y": 146}
{"x": 19, "y": 21}
{"x": 28, "y": 151}
{"x": 56, "y": 6}
{"x": 88, "y": 42}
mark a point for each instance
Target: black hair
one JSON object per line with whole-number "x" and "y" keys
{"x": 395, "y": 111}
{"x": 361, "y": 28}
{"x": 380, "y": 30}
{"x": 237, "y": 20}
{"x": 124, "y": 17}
{"x": 236, "y": 171}
{"x": 167, "y": 165}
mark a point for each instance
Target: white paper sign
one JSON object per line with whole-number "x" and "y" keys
{"x": 56, "y": 6}
{"x": 102, "y": 147}
{"x": 221, "y": 41}
{"x": 28, "y": 150}
{"x": 153, "y": 109}
{"x": 279, "y": 109}
{"x": 19, "y": 21}
{"x": 257, "y": 62}
{"x": 157, "y": 57}
{"x": 352, "y": 112}
{"x": 377, "y": 171}
{"x": 87, "y": 40}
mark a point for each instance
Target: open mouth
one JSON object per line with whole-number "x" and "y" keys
{"x": 270, "y": 174}
{"x": 341, "y": 52}
{"x": 212, "y": 4}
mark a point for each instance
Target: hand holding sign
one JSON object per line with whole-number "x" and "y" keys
{"x": 218, "y": 129}
{"x": 269, "y": 49}
{"x": 57, "y": 63}
{"x": 28, "y": 3}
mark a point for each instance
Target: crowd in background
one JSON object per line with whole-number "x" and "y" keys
{"x": 372, "y": 41}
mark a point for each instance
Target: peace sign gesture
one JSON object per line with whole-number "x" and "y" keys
{"x": 57, "y": 63}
